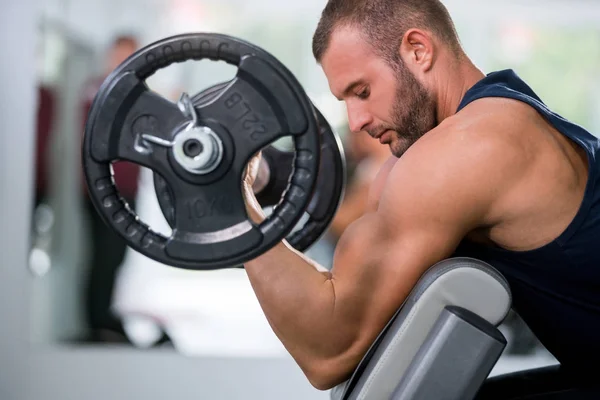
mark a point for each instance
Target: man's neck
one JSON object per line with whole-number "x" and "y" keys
{"x": 454, "y": 86}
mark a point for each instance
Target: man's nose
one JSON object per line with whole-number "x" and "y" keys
{"x": 358, "y": 118}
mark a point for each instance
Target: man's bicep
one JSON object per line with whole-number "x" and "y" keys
{"x": 413, "y": 227}
{"x": 358, "y": 271}
{"x": 380, "y": 257}
{"x": 375, "y": 268}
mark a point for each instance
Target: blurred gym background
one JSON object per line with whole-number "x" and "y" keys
{"x": 85, "y": 290}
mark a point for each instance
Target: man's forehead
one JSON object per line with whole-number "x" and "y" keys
{"x": 346, "y": 59}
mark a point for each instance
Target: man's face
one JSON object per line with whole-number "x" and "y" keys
{"x": 388, "y": 103}
{"x": 119, "y": 53}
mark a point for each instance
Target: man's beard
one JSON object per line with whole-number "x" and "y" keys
{"x": 413, "y": 112}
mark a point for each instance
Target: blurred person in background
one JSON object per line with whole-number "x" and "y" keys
{"x": 107, "y": 249}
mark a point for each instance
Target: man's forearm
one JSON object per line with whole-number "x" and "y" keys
{"x": 298, "y": 298}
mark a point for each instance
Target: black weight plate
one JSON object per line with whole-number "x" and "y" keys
{"x": 329, "y": 191}
{"x": 263, "y": 103}
{"x": 325, "y": 199}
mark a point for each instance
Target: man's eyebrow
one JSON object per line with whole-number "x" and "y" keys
{"x": 350, "y": 88}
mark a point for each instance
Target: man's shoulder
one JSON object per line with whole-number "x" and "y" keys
{"x": 465, "y": 141}
{"x": 495, "y": 113}
{"x": 471, "y": 162}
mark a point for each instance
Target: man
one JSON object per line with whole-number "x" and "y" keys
{"x": 107, "y": 248}
{"x": 121, "y": 47}
{"x": 480, "y": 167}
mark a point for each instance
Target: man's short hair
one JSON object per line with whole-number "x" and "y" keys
{"x": 383, "y": 24}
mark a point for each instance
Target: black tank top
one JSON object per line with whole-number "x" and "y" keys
{"x": 556, "y": 288}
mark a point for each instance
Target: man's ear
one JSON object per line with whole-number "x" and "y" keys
{"x": 417, "y": 50}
